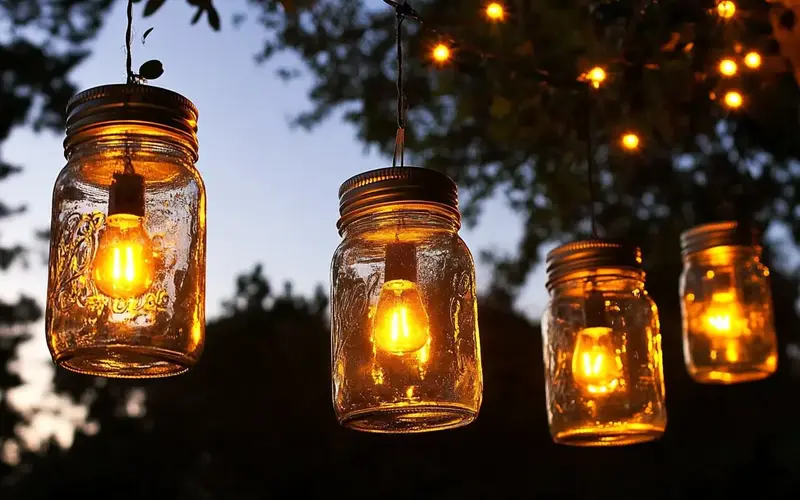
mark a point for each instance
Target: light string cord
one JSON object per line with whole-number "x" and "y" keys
{"x": 131, "y": 80}
{"x": 590, "y": 158}
{"x": 402, "y": 10}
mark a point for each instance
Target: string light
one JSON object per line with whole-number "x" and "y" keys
{"x": 441, "y": 53}
{"x": 726, "y": 9}
{"x": 733, "y": 99}
{"x": 596, "y": 75}
{"x": 630, "y": 141}
{"x": 728, "y": 67}
{"x": 752, "y": 60}
{"x": 495, "y": 11}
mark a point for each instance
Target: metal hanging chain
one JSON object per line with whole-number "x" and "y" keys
{"x": 402, "y": 11}
{"x": 590, "y": 158}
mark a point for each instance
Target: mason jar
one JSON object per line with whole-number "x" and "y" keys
{"x": 405, "y": 347}
{"x": 728, "y": 330}
{"x": 126, "y": 289}
{"x": 602, "y": 347}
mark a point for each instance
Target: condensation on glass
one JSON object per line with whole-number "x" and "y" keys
{"x": 126, "y": 290}
{"x": 405, "y": 348}
{"x": 728, "y": 330}
{"x": 602, "y": 347}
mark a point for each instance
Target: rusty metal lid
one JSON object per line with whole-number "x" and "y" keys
{"x": 716, "y": 234}
{"x": 585, "y": 255}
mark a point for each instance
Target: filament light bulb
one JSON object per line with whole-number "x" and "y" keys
{"x": 728, "y": 67}
{"x": 596, "y": 366}
{"x": 733, "y": 99}
{"x": 597, "y": 76}
{"x": 752, "y": 60}
{"x": 123, "y": 265}
{"x": 441, "y": 53}
{"x": 726, "y": 9}
{"x": 495, "y": 11}
{"x": 401, "y": 324}
{"x": 630, "y": 141}
{"x": 724, "y": 317}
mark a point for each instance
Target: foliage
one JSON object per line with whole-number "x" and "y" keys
{"x": 41, "y": 43}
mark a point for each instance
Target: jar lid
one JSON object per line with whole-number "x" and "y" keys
{"x": 716, "y": 234}
{"x": 585, "y": 255}
{"x": 396, "y": 185}
{"x": 131, "y": 103}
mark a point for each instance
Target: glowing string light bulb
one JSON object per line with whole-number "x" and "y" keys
{"x": 441, "y": 53}
{"x": 752, "y": 60}
{"x": 733, "y": 99}
{"x": 400, "y": 323}
{"x": 124, "y": 263}
{"x": 597, "y": 76}
{"x": 726, "y": 9}
{"x": 630, "y": 141}
{"x": 495, "y": 11}
{"x": 728, "y": 67}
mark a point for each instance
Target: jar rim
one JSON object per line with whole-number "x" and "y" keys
{"x": 131, "y": 104}
{"x": 387, "y": 188}
{"x": 584, "y": 256}
{"x": 717, "y": 234}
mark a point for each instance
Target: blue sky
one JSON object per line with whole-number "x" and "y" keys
{"x": 272, "y": 191}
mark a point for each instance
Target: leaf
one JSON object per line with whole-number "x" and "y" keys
{"x": 213, "y": 18}
{"x": 288, "y": 6}
{"x": 197, "y": 16}
{"x": 500, "y": 107}
{"x": 152, "y": 69}
{"x": 144, "y": 37}
{"x": 152, "y": 6}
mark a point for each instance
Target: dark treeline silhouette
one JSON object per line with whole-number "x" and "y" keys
{"x": 254, "y": 420}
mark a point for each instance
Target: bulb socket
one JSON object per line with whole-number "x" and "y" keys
{"x": 717, "y": 234}
{"x": 401, "y": 262}
{"x": 126, "y": 195}
{"x": 386, "y": 187}
{"x": 594, "y": 310}
{"x": 589, "y": 255}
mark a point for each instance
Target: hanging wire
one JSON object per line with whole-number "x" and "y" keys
{"x": 590, "y": 158}
{"x": 402, "y": 10}
{"x": 128, "y": 41}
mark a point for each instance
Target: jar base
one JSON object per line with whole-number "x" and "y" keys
{"x": 617, "y": 435}
{"x": 124, "y": 361}
{"x": 409, "y": 419}
{"x": 730, "y": 375}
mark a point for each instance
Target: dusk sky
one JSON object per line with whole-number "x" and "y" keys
{"x": 272, "y": 191}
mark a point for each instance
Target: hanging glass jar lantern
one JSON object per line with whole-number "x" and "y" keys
{"x": 405, "y": 349}
{"x": 602, "y": 347}
{"x": 728, "y": 332}
{"x": 126, "y": 290}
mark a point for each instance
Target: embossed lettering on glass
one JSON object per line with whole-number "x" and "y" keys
{"x": 602, "y": 347}
{"x": 728, "y": 331}
{"x": 126, "y": 290}
{"x": 405, "y": 348}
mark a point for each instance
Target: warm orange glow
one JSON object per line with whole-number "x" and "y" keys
{"x": 728, "y": 67}
{"x": 124, "y": 264}
{"x": 495, "y": 11}
{"x": 733, "y": 99}
{"x": 724, "y": 317}
{"x": 441, "y": 53}
{"x": 630, "y": 141}
{"x": 597, "y": 76}
{"x": 752, "y": 60}
{"x": 401, "y": 324}
{"x": 596, "y": 367}
{"x": 726, "y": 9}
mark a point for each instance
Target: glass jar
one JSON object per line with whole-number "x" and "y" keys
{"x": 728, "y": 331}
{"x": 405, "y": 348}
{"x": 126, "y": 289}
{"x": 602, "y": 347}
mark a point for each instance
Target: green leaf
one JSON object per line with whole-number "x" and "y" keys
{"x": 144, "y": 37}
{"x": 501, "y": 107}
{"x": 152, "y": 6}
{"x": 151, "y": 70}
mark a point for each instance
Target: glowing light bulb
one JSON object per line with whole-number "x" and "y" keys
{"x": 495, "y": 11}
{"x": 124, "y": 264}
{"x": 400, "y": 324}
{"x": 596, "y": 75}
{"x": 596, "y": 366}
{"x": 728, "y": 67}
{"x": 726, "y": 9}
{"x": 733, "y": 99}
{"x": 724, "y": 317}
{"x": 630, "y": 141}
{"x": 441, "y": 53}
{"x": 752, "y": 60}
